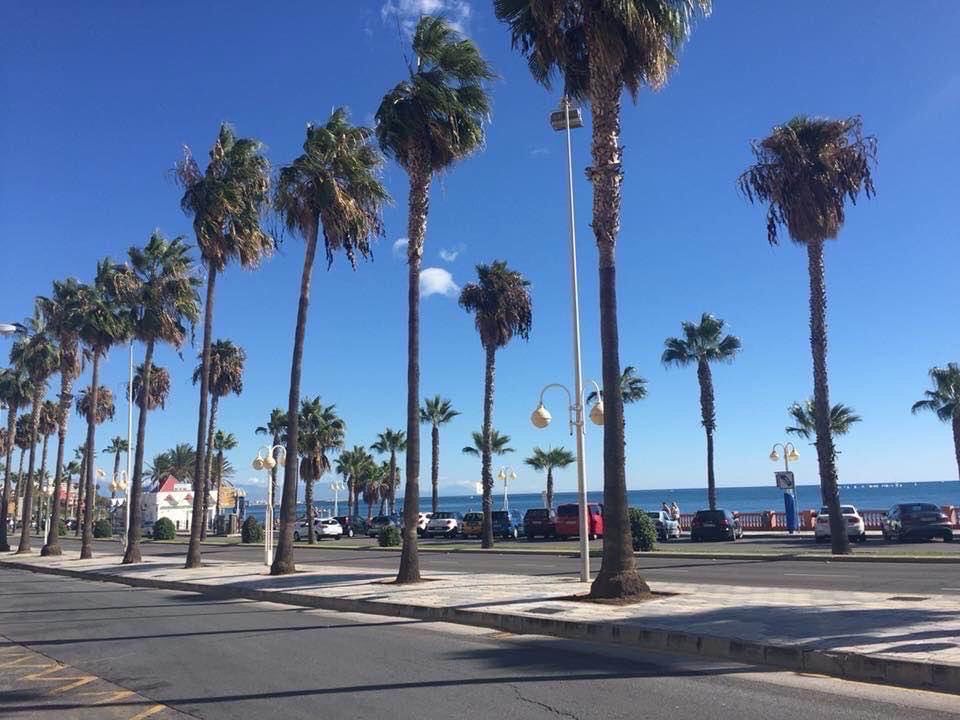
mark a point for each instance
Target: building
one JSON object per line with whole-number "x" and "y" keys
{"x": 173, "y": 499}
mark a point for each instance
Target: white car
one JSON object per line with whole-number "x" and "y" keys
{"x": 445, "y": 524}
{"x": 422, "y": 520}
{"x": 666, "y": 527}
{"x": 323, "y": 527}
{"x": 856, "y": 528}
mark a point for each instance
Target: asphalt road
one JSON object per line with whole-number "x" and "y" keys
{"x": 164, "y": 654}
{"x": 895, "y": 578}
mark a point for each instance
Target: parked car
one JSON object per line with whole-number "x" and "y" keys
{"x": 715, "y": 525}
{"x": 351, "y": 526}
{"x": 322, "y": 528}
{"x": 472, "y": 524}
{"x": 539, "y": 522}
{"x": 506, "y": 524}
{"x": 380, "y": 522}
{"x": 568, "y": 521}
{"x": 856, "y": 528}
{"x": 422, "y": 520}
{"x": 444, "y": 524}
{"x": 666, "y": 526}
{"x": 920, "y": 521}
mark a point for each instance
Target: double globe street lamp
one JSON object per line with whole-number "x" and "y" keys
{"x": 506, "y": 475}
{"x": 118, "y": 486}
{"x": 267, "y": 459}
{"x": 790, "y": 455}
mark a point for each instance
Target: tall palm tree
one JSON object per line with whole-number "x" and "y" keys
{"x": 436, "y": 411}
{"x": 350, "y": 464}
{"x": 15, "y": 393}
{"x": 321, "y": 431}
{"x": 426, "y": 123}
{"x": 598, "y": 49}
{"x": 182, "y": 462}
{"x": 49, "y": 413}
{"x": 227, "y": 202}
{"x": 105, "y": 410}
{"x": 276, "y": 430}
{"x": 63, "y": 312}
{"x": 500, "y": 302}
{"x": 499, "y": 444}
{"x": 69, "y": 470}
{"x": 548, "y": 460}
{"x": 842, "y": 418}
{"x": 632, "y": 387}
{"x": 225, "y": 376}
{"x": 805, "y": 172}
{"x": 221, "y": 443}
{"x": 80, "y": 455}
{"x": 944, "y": 400}
{"x": 106, "y": 323}
{"x": 22, "y": 439}
{"x": 334, "y": 186}
{"x": 703, "y": 343}
{"x": 392, "y": 442}
{"x": 373, "y": 478}
{"x": 117, "y": 447}
{"x": 157, "y": 470}
{"x": 39, "y": 357}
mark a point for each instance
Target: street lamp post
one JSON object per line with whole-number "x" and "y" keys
{"x": 129, "y": 475}
{"x": 46, "y": 490}
{"x": 119, "y": 485}
{"x": 790, "y": 454}
{"x": 540, "y": 418}
{"x": 507, "y": 475}
{"x": 265, "y": 460}
{"x": 336, "y": 486}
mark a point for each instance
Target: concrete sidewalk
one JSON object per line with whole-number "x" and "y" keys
{"x": 882, "y": 637}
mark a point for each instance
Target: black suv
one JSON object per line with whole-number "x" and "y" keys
{"x": 916, "y": 521}
{"x": 715, "y": 525}
{"x": 539, "y": 522}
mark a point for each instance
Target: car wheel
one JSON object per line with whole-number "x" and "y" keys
{"x": 863, "y": 537}
{"x": 350, "y": 533}
{"x": 296, "y": 536}
{"x": 337, "y": 537}
{"x": 591, "y": 536}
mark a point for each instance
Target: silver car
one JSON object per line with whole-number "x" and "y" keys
{"x": 667, "y": 527}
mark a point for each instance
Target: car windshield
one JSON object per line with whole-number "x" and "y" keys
{"x": 443, "y": 516}
{"x": 501, "y": 515}
{"x": 473, "y": 516}
{"x": 539, "y": 514}
{"x": 567, "y": 511}
{"x": 920, "y": 508}
{"x": 654, "y": 515}
{"x": 844, "y": 510}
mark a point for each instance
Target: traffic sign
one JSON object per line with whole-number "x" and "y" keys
{"x": 784, "y": 480}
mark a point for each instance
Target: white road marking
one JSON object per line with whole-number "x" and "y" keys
{"x": 828, "y": 575}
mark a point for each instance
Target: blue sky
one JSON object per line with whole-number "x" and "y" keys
{"x": 100, "y": 97}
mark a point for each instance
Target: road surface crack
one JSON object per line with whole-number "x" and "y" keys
{"x": 545, "y": 706}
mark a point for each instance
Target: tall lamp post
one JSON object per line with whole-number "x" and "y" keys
{"x": 46, "y": 490}
{"x": 265, "y": 460}
{"x": 507, "y": 474}
{"x": 790, "y": 454}
{"x": 540, "y": 418}
{"x": 119, "y": 486}
{"x": 336, "y": 486}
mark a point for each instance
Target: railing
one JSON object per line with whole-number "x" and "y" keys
{"x": 777, "y": 519}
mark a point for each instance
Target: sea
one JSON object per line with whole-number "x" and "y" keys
{"x": 866, "y": 496}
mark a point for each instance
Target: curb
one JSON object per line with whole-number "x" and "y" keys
{"x": 845, "y": 665}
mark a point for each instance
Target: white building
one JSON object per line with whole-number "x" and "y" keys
{"x": 174, "y": 500}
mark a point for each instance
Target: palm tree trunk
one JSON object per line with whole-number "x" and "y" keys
{"x": 486, "y": 455}
{"x": 956, "y": 438}
{"x": 349, "y": 496}
{"x": 369, "y": 510}
{"x": 391, "y": 488}
{"x": 383, "y": 505}
{"x": 418, "y": 207}
{"x": 193, "y": 551}
{"x": 283, "y": 560}
{"x": 116, "y": 472}
{"x": 208, "y": 473}
{"x": 549, "y": 488}
{"x": 86, "y": 544}
{"x": 24, "y": 546}
{"x": 132, "y": 554}
{"x": 216, "y": 511}
{"x": 40, "y": 481}
{"x": 81, "y": 486}
{"x": 435, "y": 467}
{"x": 709, "y": 419}
{"x": 308, "y": 499}
{"x": 618, "y": 576}
{"x": 7, "y": 480}
{"x": 826, "y": 453}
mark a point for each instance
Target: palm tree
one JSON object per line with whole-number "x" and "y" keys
{"x": 39, "y": 357}
{"x": 226, "y": 365}
{"x": 22, "y": 439}
{"x": 63, "y": 312}
{"x": 15, "y": 393}
{"x": 350, "y": 464}
{"x": 79, "y": 453}
{"x": 69, "y": 470}
{"x": 105, "y": 411}
{"x": 118, "y": 445}
{"x": 703, "y": 343}
{"x": 549, "y": 460}
{"x": 393, "y": 442}
{"x": 49, "y": 412}
{"x": 500, "y": 301}
{"x": 842, "y": 418}
{"x": 499, "y": 444}
{"x": 321, "y": 430}
{"x": 805, "y": 172}
{"x": 276, "y": 430}
{"x": 944, "y": 400}
{"x": 227, "y": 202}
{"x": 159, "y": 468}
{"x": 632, "y": 387}
{"x": 373, "y": 478}
{"x": 427, "y": 123}
{"x": 222, "y": 442}
{"x": 182, "y": 459}
{"x": 334, "y": 185}
{"x": 598, "y": 49}
{"x": 436, "y": 411}
{"x": 106, "y": 322}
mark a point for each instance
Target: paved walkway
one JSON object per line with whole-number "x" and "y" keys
{"x": 909, "y": 633}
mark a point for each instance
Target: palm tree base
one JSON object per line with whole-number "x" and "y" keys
{"x": 622, "y": 586}
{"x": 86, "y": 554}
{"x": 51, "y": 550}
{"x": 24, "y": 551}
{"x": 132, "y": 557}
{"x": 281, "y": 567}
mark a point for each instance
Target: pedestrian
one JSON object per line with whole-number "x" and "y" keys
{"x": 675, "y": 511}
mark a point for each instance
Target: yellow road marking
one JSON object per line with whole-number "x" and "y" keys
{"x": 19, "y": 661}
{"x": 39, "y": 676}
{"x": 79, "y": 681}
{"x": 111, "y": 695}
{"x": 148, "y": 712}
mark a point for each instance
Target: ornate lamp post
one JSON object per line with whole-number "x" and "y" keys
{"x": 265, "y": 460}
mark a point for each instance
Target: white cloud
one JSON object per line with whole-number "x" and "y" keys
{"x": 450, "y": 254}
{"x": 400, "y": 247}
{"x": 437, "y": 281}
{"x": 408, "y": 12}
{"x": 539, "y": 152}
{"x": 253, "y": 482}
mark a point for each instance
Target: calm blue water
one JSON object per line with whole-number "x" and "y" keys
{"x": 743, "y": 499}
